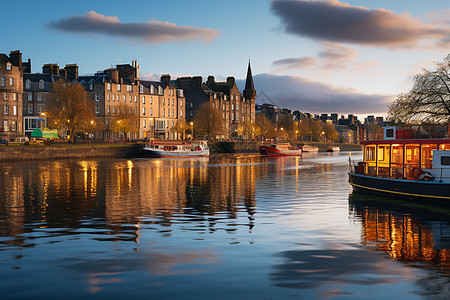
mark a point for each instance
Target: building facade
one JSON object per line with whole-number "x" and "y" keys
{"x": 11, "y": 90}
{"x": 236, "y": 108}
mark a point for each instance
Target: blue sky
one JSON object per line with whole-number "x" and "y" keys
{"x": 313, "y": 56}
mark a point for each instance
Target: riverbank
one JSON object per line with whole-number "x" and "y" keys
{"x": 80, "y": 151}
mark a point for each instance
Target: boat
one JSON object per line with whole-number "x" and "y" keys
{"x": 176, "y": 149}
{"x": 333, "y": 149}
{"x": 415, "y": 168}
{"x": 279, "y": 149}
{"x": 310, "y": 149}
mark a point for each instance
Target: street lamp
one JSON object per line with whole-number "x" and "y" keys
{"x": 45, "y": 118}
{"x": 192, "y": 129}
{"x": 296, "y": 135}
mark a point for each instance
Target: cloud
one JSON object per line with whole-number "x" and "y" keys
{"x": 296, "y": 63}
{"x": 301, "y": 94}
{"x": 331, "y": 20}
{"x": 154, "y": 31}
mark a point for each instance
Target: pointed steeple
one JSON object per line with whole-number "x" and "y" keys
{"x": 249, "y": 91}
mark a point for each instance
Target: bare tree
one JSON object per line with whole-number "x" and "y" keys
{"x": 125, "y": 120}
{"x": 428, "y": 100}
{"x": 208, "y": 121}
{"x": 180, "y": 127}
{"x": 70, "y": 107}
{"x": 264, "y": 127}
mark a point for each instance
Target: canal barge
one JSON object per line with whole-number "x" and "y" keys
{"x": 176, "y": 149}
{"x": 279, "y": 149}
{"x": 415, "y": 168}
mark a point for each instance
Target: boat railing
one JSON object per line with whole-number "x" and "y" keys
{"x": 399, "y": 171}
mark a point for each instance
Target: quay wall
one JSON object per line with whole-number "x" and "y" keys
{"x": 80, "y": 151}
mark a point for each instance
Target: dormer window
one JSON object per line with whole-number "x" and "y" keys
{"x": 28, "y": 84}
{"x": 41, "y": 84}
{"x": 118, "y": 87}
{"x": 141, "y": 89}
{"x": 160, "y": 90}
{"x": 8, "y": 66}
{"x": 152, "y": 89}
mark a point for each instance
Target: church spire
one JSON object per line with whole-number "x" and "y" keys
{"x": 249, "y": 91}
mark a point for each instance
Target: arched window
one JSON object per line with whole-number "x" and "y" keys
{"x": 28, "y": 84}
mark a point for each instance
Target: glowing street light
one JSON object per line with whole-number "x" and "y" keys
{"x": 45, "y": 118}
{"x": 192, "y": 129}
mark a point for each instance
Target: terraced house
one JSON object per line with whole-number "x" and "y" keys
{"x": 11, "y": 74}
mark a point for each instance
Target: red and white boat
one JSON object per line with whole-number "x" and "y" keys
{"x": 279, "y": 149}
{"x": 176, "y": 149}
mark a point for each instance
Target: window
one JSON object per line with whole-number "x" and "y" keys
{"x": 5, "y": 96}
{"x": 143, "y": 99}
{"x": 39, "y": 109}
{"x": 114, "y": 109}
{"x": 5, "y": 126}
{"x": 223, "y": 106}
{"x": 108, "y": 97}
{"x": 97, "y": 97}
{"x": 124, "y": 98}
{"x": 129, "y": 88}
{"x": 141, "y": 89}
{"x": 151, "y": 111}
{"x": 3, "y": 81}
{"x": 144, "y": 122}
{"x": 143, "y": 111}
{"x": 13, "y": 125}
{"x": 8, "y": 66}
{"x": 30, "y": 109}
{"x": 164, "y": 101}
{"x": 41, "y": 84}
{"x": 151, "y": 100}
{"x": 118, "y": 87}
{"x": 91, "y": 86}
{"x": 28, "y": 84}
{"x": 5, "y": 109}
{"x": 107, "y": 121}
{"x": 135, "y": 99}
{"x": 215, "y": 96}
{"x": 131, "y": 98}
{"x": 164, "y": 112}
{"x": 97, "y": 109}
{"x": 181, "y": 103}
{"x": 30, "y": 97}
{"x": 39, "y": 97}
{"x": 160, "y": 90}
{"x": 108, "y": 109}
{"x": 114, "y": 97}
{"x": 232, "y": 106}
{"x": 152, "y": 89}
{"x": 237, "y": 106}
{"x": 15, "y": 110}
{"x": 445, "y": 160}
{"x": 173, "y": 114}
{"x": 181, "y": 113}
{"x": 173, "y": 102}
{"x": 237, "y": 117}
{"x": 224, "y": 97}
{"x": 370, "y": 153}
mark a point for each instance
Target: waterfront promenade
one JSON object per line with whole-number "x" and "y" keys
{"x": 80, "y": 151}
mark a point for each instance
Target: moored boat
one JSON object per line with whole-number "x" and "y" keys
{"x": 279, "y": 149}
{"x": 310, "y": 149}
{"x": 415, "y": 168}
{"x": 176, "y": 149}
{"x": 333, "y": 149}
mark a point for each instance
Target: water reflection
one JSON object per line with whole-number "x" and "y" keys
{"x": 410, "y": 232}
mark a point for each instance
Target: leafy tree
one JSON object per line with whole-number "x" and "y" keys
{"x": 180, "y": 127}
{"x": 208, "y": 121}
{"x": 330, "y": 132}
{"x": 264, "y": 127}
{"x": 247, "y": 129}
{"x": 428, "y": 100}
{"x": 70, "y": 107}
{"x": 125, "y": 120}
{"x": 310, "y": 128}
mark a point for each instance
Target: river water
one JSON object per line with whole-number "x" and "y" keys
{"x": 223, "y": 227}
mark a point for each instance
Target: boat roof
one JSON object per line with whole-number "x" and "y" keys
{"x": 406, "y": 141}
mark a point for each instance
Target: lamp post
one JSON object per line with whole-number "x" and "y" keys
{"x": 192, "y": 130}
{"x": 296, "y": 135}
{"x": 323, "y": 136}
{"x": 45, "y": 119}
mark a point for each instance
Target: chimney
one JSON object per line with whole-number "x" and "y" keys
{"x": 230, "y": 80}
{"x": 165, "y": 78}
{"x": 211, "y": 80}
{"x": 51, "y": 69}
{"x": 16, "y": 58}
{"x": 71, "y": 71}
{"x": 27, "y": 66}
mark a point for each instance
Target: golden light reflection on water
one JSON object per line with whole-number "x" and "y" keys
{"x": 405, "y": 237}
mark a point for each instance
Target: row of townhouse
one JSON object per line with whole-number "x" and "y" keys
{"x": 159, "y": 104}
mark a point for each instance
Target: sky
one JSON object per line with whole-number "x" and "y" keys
{"x": 322, "y": 56}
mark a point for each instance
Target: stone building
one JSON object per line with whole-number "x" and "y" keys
{"x": 236, "y": 108}
{"x": 36, "y": 93}
{"x": 161, "y": 106}
{"x": 11, "y": 74}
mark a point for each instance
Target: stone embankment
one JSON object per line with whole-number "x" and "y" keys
{"x": 81, "y": 151}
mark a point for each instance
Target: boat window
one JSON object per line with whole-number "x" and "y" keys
{"x": 444, "y": 147}
{"x": 383, "y": 153}
{"x": 397, "y": 154}
{"x": 412, "y": 154}
{"x": 445, "y": 160}
{"x": 370, "y": 153}
{"x": 427, "y": 155}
